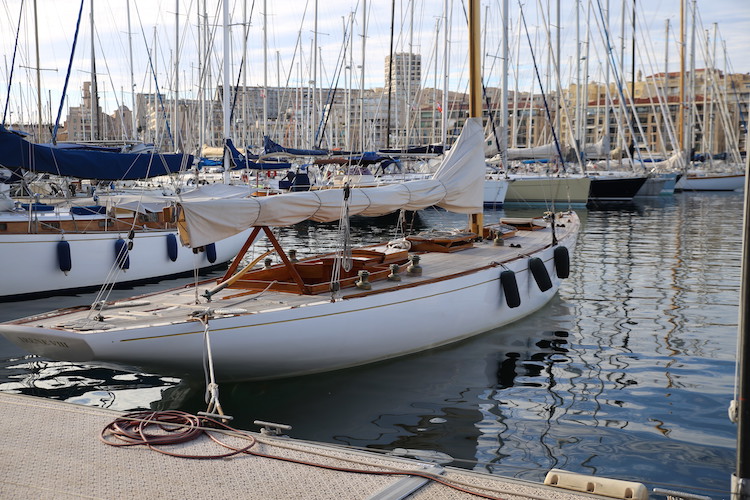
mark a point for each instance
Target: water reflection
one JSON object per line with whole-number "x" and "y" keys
{"x": 82, "y": 384}
{"x": 627, "y": 373}
{"x": 437, "y": 400}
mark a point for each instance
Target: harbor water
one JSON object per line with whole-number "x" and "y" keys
{"x": 627, "y": 373}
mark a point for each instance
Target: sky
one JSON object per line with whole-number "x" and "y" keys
{"x": 419, "y": 26}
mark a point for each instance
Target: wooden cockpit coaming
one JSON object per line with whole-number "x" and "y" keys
{"x": 316, "y": 272}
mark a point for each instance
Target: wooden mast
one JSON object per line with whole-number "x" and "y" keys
{"x": 476, "y": 221}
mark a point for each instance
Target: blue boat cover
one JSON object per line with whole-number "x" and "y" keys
{"x": 16, "y": 152}
{"x": 239, "y": 161}
{"x": 272, "y": 147}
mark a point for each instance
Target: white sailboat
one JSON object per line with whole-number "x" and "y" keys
{"x": 49, "y": 249}
{"x": 67, "y": 242}
{"x": 331, "y": 311}
{"x": 710, "y": 181}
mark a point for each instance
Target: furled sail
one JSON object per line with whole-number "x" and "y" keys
{"x": 146, "y": 202}
{"x": 599, "y": 149}
{"x": 544, "y": 152}
{"x": 457, "y": 186}
{"x": 86, "y": 164}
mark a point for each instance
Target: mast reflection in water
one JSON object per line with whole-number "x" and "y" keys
{"x": 627, "y": 373}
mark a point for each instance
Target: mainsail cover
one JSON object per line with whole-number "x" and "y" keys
{"x": 457, "y": 186}
{"x": 152, "y": 201}
{"x": 271, "y": 147}
{"x": 16, "y": 152}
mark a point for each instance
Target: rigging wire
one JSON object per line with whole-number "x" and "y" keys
{"x": 153, "y": 72}
{"x": 12, "y": 65}
{"x": 343, "y": 258}
{"x": 67, "y": 75}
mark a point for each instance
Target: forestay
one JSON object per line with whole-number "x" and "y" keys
{"x": 457, "y": 186}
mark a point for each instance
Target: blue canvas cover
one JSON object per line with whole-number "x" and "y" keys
{"x": 239, "y": 162}
{"x": 269, "y": 146}
{"x": 16, "y": 152}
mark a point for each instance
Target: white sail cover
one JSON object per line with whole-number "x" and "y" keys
{"x": 457, "y": 186}
{"x": 152, "y": 201}
{"x": 599, "y": 149}
{"x": 544, "y": 152}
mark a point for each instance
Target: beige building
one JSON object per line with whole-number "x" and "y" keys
{"x": 351, "y": 119}
{"x": 84, "y": 125}
{"x": 716, "y": 112}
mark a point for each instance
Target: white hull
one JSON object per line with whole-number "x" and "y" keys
{"x": 719, "y": 182}
{"x": 31, "y": 264}
{"x": 296, "y": 335}
{"x": 654, "y": 186}
{"x": 495, "y": 190}
{"x": 545, "y": 190}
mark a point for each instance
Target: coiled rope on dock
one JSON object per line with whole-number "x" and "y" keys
{"x": 160, "y": 429}
{"x": 164, "y": 428}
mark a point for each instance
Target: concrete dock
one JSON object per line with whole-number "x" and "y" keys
{"x": 53, "y": 450}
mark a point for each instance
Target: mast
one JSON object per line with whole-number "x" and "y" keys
{"x": 681, "y": 116}
{"x": 245, "y": 27}
{"x": 606, "y": 100}
{"x": 362, "y": 80}
{"x": 444, "y": 117}
{"x": 177, "y": 76}
{"x": 558, "y": 107}
{"x": 133, "y": 114}
{"x": 503, "y": 146}
{"x": 265, "y": 69}
{"x": 409, "y": 97}
{"x": 515, "y": 122}
{"x": 666, "y": 65}
{"x": 579, "y": 94}
{"x": 632, "y": 61}
{"x": 226, "y": 91}
{"x": 691, "y": 86}
{"x": 740, "y": 409}
{"x": 201, "y": 84}
{"x": 95, "y": 135}
{"x": 476, "y": 221}
{"x": 714, "y": 97}
{"x": 434, "y": 81}
{"x": 38, "y": 76}
{"x": 313, "y": 134}
{"x": 349, "y": 84}
{"x": 390, "y": 81}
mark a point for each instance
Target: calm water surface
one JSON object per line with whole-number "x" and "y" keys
{"x": 627, "y": 373}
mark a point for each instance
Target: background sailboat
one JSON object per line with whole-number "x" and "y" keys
{"x": 296, "y": 317}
